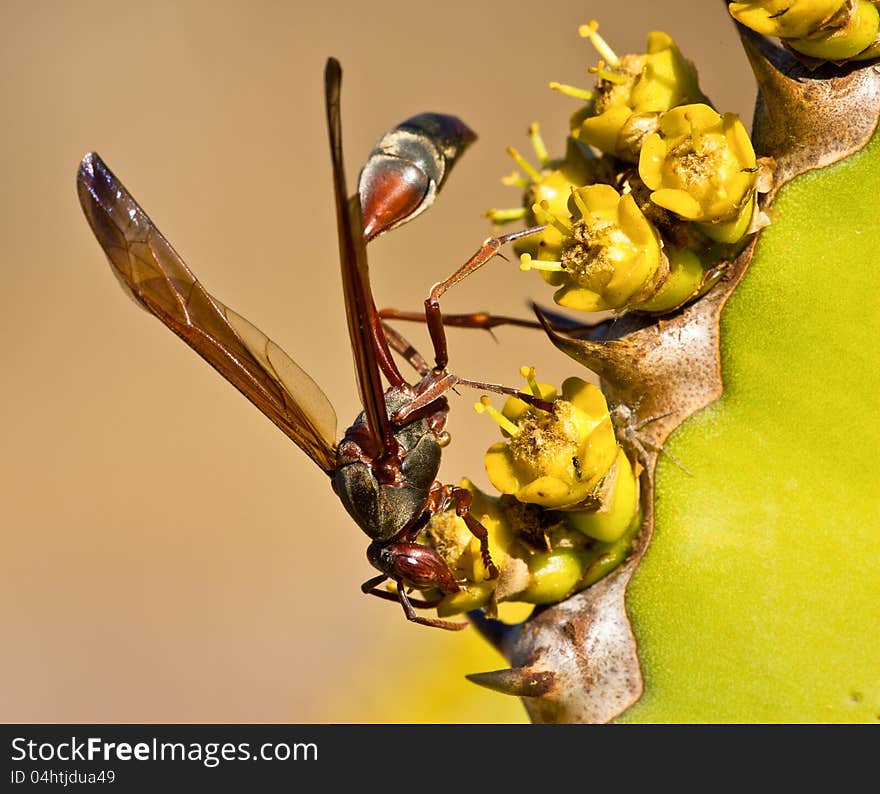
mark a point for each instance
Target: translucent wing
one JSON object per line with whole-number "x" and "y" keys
{"x": 363, "y": 322}
{"x": 156, "y": 277}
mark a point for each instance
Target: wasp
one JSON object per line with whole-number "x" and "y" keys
{"x": 384, "y": 469}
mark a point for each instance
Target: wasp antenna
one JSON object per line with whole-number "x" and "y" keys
{"x": 518, "y": 681}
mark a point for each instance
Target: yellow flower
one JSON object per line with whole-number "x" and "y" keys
{"x": 631, "y": 92}
{"x": 555, "y": 458}
{"x": 552, "y": 183}
{"x": 450, "y": 537}
{"x": 833, "y": 30}
{"x": 785, "y": 18}
{"x": 610, "y": 258}
{"x": 702, "y": 167}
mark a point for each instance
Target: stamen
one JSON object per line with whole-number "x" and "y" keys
{"x": 604, "y": 74}
{"x": 696, "y": 134}
{"x": 527, "y": 263}
{"x": 581, "y": 205}
{"x": 524, "y": 164}
{"x": 507, "y": 215}
{"x": 538, "y": 144}
{"x": 529, "y": 374}
{"x": 591, "y": 31}
{"x": 515, "y": 179}
{"x": 572, "y": 91}
{"x": 563, "y": 226}
{"x": 485, "y": 406}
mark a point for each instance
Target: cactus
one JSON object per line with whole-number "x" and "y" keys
{"x": 739, "y": 602}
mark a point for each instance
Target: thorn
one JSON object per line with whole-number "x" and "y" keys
{"x": 518, "y": 681}
{"x": 771, "y": 66}
{"x": 612, "y": 360}
{"x": 495, "y": 632}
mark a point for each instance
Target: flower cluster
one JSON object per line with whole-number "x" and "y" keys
{"x": 671, "y": 193}
{"x": 828, "y": 30}
{"x": 569, "y": 504}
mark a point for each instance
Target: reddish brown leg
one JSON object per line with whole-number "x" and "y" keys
{"x": 408, "y": 604}
{"x": 370, "y": 587}
{"x": 463, "y": 499}
{"x": 484, "y": 321}
{"x": 440, "y": 497}
{"x": 432, "y": 304}
{"x": 435, "y": 388}
{"x": 405, "y": 348}
{"x": 436, "y": 623}
{"x": 480, "y": 320}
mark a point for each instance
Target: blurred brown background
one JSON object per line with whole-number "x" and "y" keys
{"x": 167, "y": 554}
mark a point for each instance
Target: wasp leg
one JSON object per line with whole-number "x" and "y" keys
{"x": 410, "y": 613}
{"x": 434, "y": 318}
{"x": 433, "y": 388}
{"x": 371, "y": 588}
{"x": 484, "y": 321}
{"x": 408, "y": 604}
{"x": 480, "y": 320}
{"x": 441, "y": 497}
{"x": 406, "y": 349}
{"x": 463, "y": 499}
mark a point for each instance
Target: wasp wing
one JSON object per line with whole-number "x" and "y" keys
{"x": 156, "y": 277}
{"x": 363, "y": 321}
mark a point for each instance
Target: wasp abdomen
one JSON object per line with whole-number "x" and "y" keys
{"x": 403, "y": 174}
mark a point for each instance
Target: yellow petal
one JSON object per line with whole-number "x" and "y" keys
{"x": 601, "y": 131}
{"x": 550, "y": 492}
{"x": 579, "y": 299}
{"x": 651, "y": 161}
{"x": 678, "y": 201}
{"x": 500, "y": 470}
{"x": 788, "y": 18}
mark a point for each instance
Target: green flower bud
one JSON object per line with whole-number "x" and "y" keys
{"x": 684, "y": 282}
{"x": 553, "y": 575}
{"x": 620, "y": 505}
{"x": 849, "y": 40}
{"x": 785, "y": 18}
